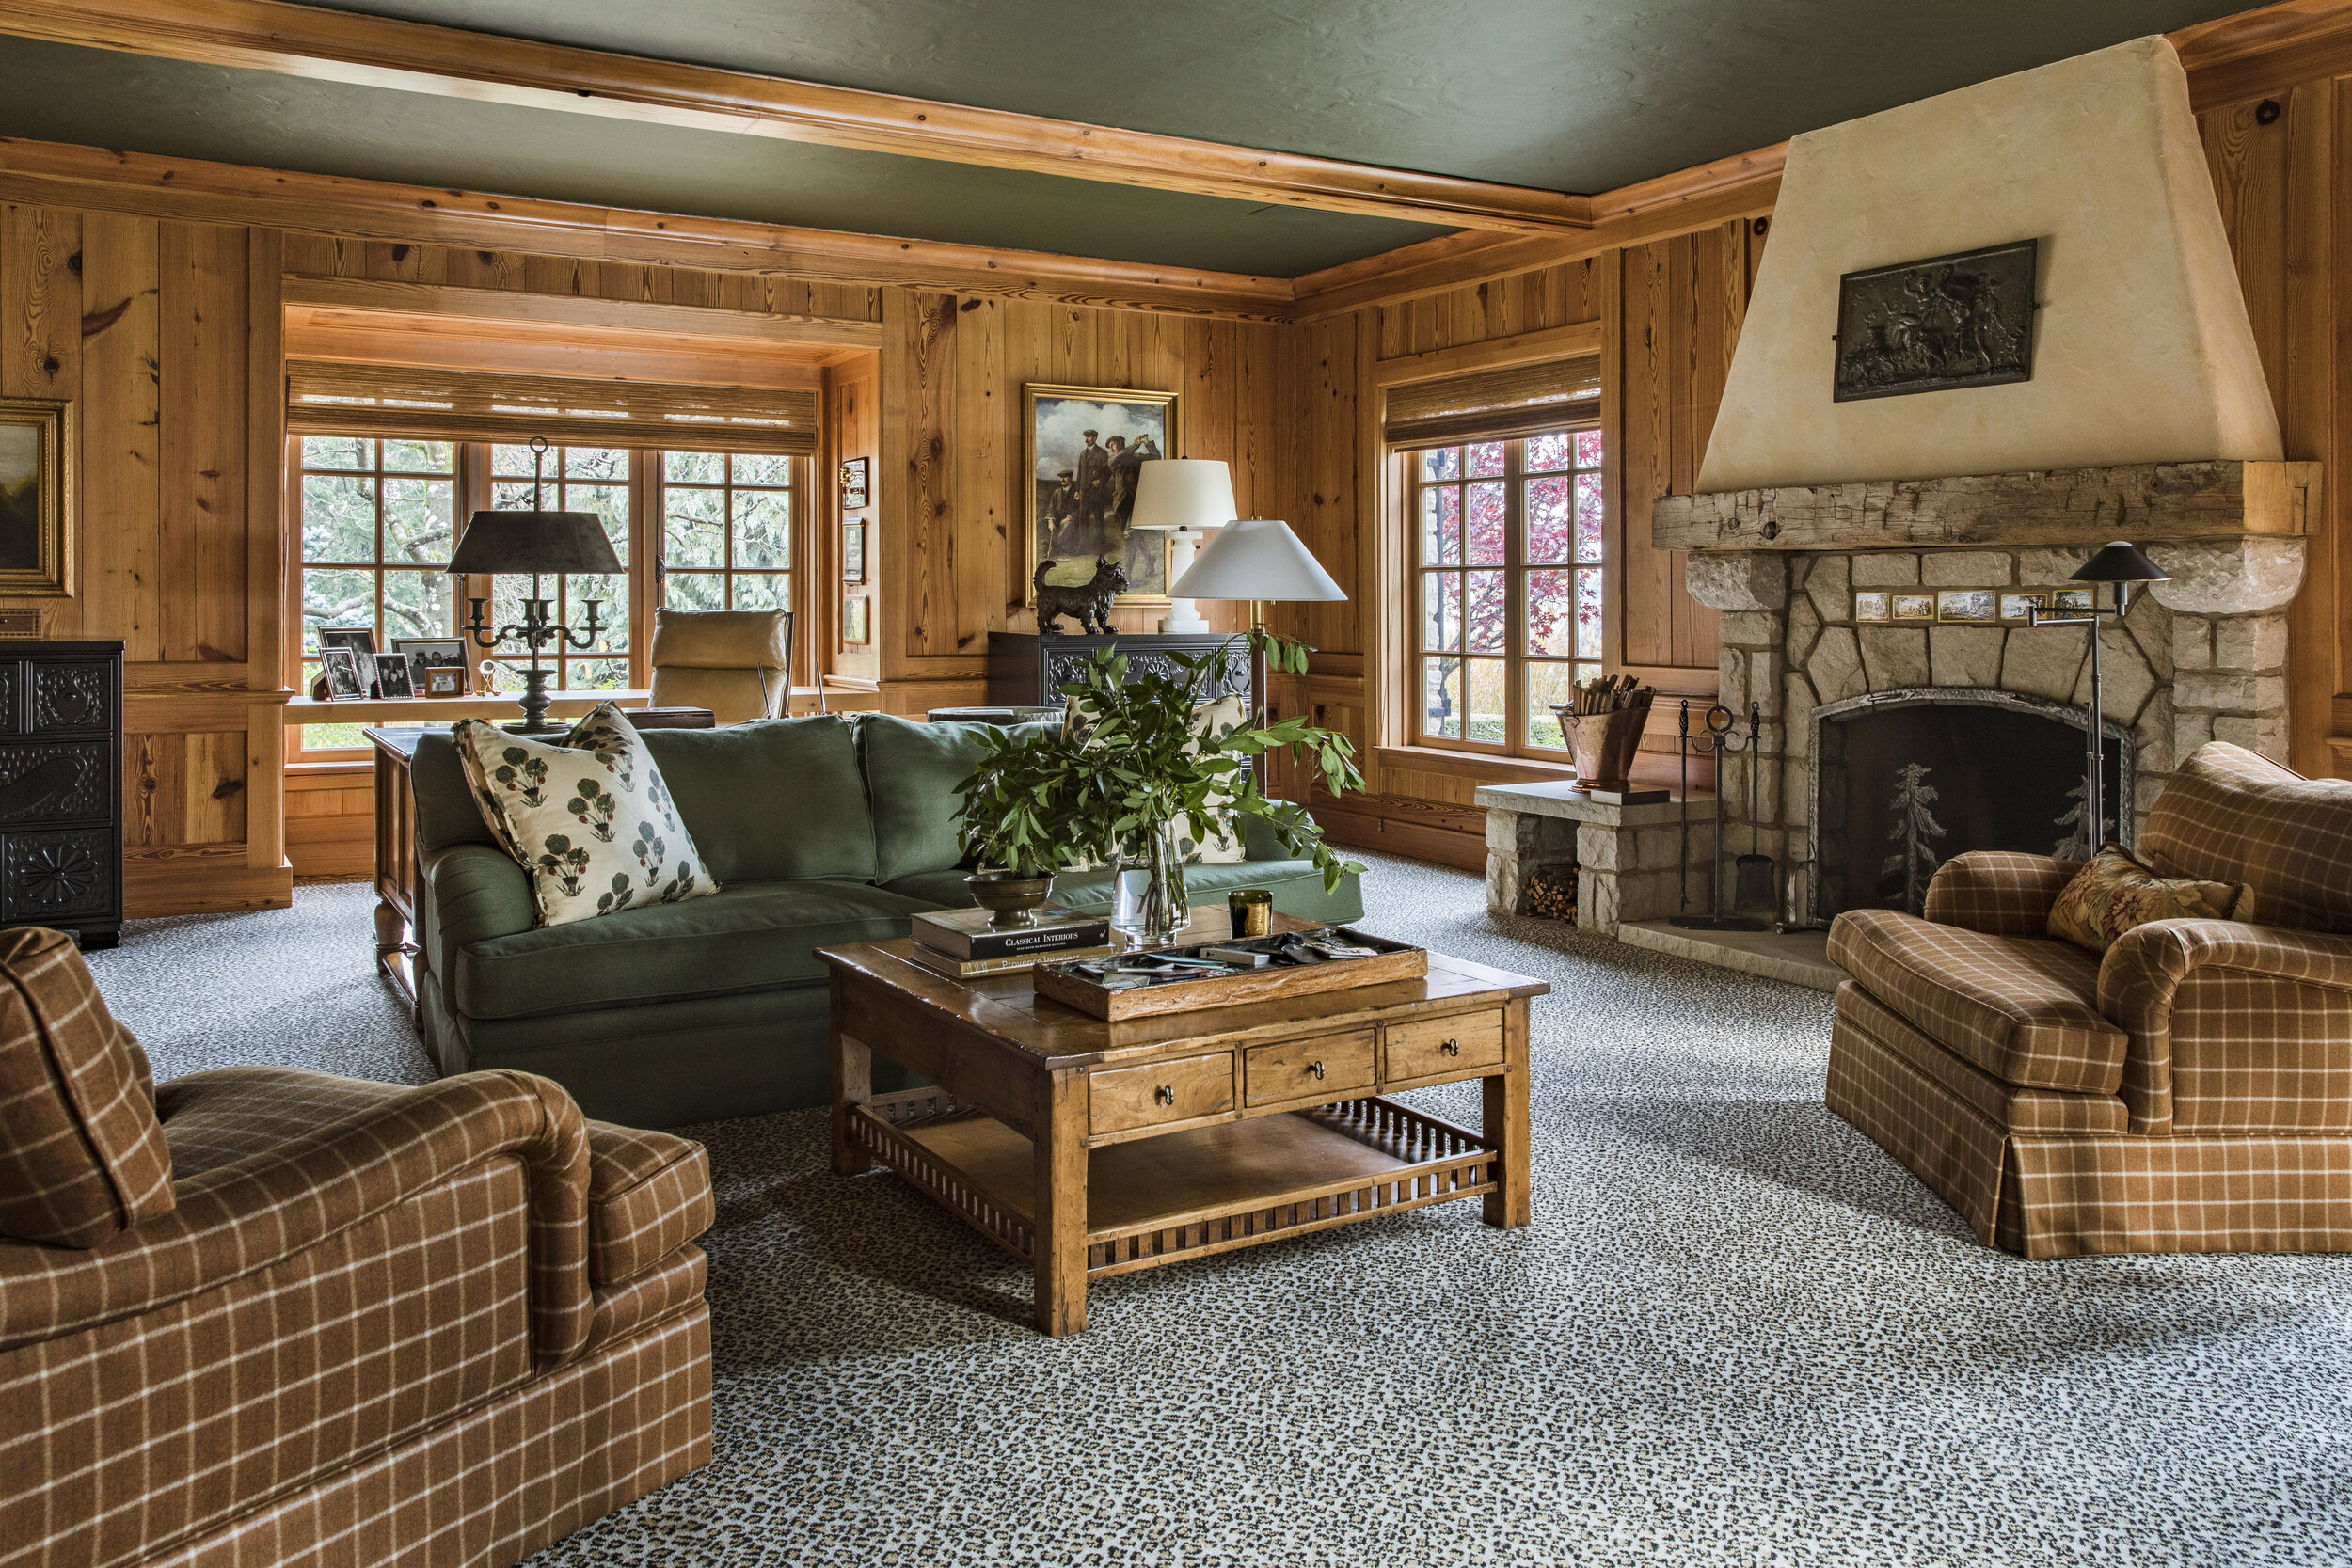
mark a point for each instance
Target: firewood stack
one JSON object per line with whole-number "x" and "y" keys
{"x": 1550, "y": 891}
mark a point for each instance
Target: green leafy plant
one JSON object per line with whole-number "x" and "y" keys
{"x": 1130, "y": 763}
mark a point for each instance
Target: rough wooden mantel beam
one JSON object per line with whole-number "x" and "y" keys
{"x": 2140, "y": 502}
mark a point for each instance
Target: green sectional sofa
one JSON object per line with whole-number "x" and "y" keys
{"x": 821, "y": 831}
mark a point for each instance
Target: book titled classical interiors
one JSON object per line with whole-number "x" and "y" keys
{"x": 966, "y": 934}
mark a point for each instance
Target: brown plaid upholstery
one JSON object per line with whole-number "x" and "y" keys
{"x": 82, "y": 1156}
{"x": 648, "y": 1194}
{"x": 2234, "y": 1028}
{"x": 371, "y": 1316}
{"x": 2227, "y": 1125}
{"x": 2022, "y": 1010}
{"x": 2229, "y": 815}
{"x": 1998, "y": 892}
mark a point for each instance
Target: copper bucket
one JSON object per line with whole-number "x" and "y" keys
{"x": 1603, "y": 744}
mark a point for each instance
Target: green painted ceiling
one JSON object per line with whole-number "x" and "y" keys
{"x": 1579, "y": 97}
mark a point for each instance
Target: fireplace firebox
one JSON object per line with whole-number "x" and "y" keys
{"x": 1905, "y": 779}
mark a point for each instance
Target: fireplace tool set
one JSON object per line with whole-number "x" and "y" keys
{"x": 1752, "y": 873}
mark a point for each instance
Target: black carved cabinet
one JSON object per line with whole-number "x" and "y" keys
{"x": 1028, "y": 670}
{"x": 60, "y": 788}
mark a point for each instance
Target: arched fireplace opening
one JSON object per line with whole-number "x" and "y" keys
{"x": 1904, "y": 779}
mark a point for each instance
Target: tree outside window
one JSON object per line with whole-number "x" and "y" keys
{"x": 378, "y": 521}
{"x": 727, "y": 539}
{"x": 1508, "y": 547}
{"x": 578, "y": 479}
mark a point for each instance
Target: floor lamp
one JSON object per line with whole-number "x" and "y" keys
{"x": 2122, "y": 563}
{"x": 1259, "y": 560}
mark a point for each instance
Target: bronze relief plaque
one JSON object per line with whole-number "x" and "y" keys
{"x": 1964, "y": 320}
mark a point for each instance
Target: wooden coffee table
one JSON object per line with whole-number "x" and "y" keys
{"x": 1089, "y": 1148}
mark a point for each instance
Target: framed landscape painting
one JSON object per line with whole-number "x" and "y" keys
{"x": 1084, "y": 447}
{"x": 37, "y": 503}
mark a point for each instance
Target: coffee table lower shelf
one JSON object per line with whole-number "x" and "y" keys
{"x": 1188, "y": 1193}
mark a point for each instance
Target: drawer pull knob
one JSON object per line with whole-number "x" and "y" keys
{"x": 1452, "y": 1047}
{"x": 1316, "y": 1067}
{"x": 1165, "y": 1094}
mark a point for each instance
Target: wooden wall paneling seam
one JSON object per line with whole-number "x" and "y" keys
{"x": 2308, "y": 415}
{"x": 983, "y": 518}
{"x": 468, "y": 227}
{"x": 1386, "y": 582}
{"x": 204, "y": 283}
{"x": 267, "y": 523}
{"x": 121, "y": 432}
{"x": 1615, "y": 533}
{"x": 422, "y": 58}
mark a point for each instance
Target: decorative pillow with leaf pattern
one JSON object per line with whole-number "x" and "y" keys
{"x": 587, "y": 815}
{"x": 2118, "y": 889}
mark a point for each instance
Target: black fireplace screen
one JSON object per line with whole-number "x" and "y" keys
{"x": 1903, "y": 787}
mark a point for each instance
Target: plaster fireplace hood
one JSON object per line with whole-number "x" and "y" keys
{"x": 1873, "y": 556}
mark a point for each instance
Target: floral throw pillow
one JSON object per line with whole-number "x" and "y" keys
{"x": 587, "y": 815}
{"x": 2118, "y": 891}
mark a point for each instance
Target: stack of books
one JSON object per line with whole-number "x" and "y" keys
{"x": 963, "y": 944}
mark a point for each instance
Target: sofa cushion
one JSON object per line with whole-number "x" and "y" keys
{"x": 2025, "y": 1010}
{"x": 772, "y": 801}
{"x": 754, "y": 936}
{"x": 2227, "y": 816}
{"x": 2117, "y": 890}
{"x": 912, "y": 770}
{"x": 588, "y": 816}
{"x": 648, "y": 1194}
{"x": 82, "y": 1155}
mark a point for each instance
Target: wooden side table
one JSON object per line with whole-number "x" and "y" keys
{"x": 1089, "y": 1148}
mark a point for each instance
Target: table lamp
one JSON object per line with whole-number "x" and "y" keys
{"x": 1259, "y": 560}
{"x": 1188, "y": 497}
{"x": 2122, "y": 563}
{"x": 537, "y": 541}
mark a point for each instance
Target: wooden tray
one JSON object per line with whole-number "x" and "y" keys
{"x": 1394, "y": 961}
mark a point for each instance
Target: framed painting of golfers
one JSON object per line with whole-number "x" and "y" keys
{"x": 1083, "y": 450}
{"x": 37, "y": 459}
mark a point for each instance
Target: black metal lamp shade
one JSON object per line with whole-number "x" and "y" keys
{"x": 2121, "y": 561}
{"x": 535, "y": 542}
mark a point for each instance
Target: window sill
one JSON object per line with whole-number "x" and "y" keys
{"x": 1484, "y": 767}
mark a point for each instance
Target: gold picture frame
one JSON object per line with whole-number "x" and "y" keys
{"x": 38, "y": 497}
{"x": 1072, "y": 500}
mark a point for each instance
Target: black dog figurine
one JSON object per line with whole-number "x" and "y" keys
{"x": 1089, "y": 603}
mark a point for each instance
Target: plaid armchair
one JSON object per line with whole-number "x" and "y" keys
{"x": 262, "y": 1316}
{"x": 2189, "y": 1091}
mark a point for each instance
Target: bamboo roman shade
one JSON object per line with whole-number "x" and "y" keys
{"x": 1494, "y": 405}
{"x": 330, "y": 397}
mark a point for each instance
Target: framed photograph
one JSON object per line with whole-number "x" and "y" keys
{"x": 342, "y": 668}
{"x": 428, "y": 654}
{"x": 361, "y": 641}
{"x": 394, "y": 676}
{"x": 854, "y": 491}
{"x": 852, "y": 552}
{"x": 1967, "y": 606}
{"x": 1911, "y": 607}
{"x": 1081, "y": 449}
{"x": 38, "y": 452}
{"x": 1869, "y": 607}
{"x": 2074, "y": 598}
{"x": 1964, "y": 320}
{"x": 856, "y": 628}
{"x": 2017, "y": 606}
{"x": 442, "y": 682}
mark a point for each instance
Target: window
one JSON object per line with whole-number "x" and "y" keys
{"x": 1508, "y": 561}
{"x": 378, "y": 520}
{"x": 578, "y": 479}
{"x": 726, "y": 531}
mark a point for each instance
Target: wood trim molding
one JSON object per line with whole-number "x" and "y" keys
{"x": 1551, "y": 342}
{"x": 509, "y": 307}
{"x": 2255, "y": 53}
{"x": 546, "y": 349}
{"x": 201, "y": 192}
{"x": 411, "y": 57}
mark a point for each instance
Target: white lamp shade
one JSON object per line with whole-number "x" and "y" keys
{"x": 1183, "y": 492}
{"x": 1257, "y": 557}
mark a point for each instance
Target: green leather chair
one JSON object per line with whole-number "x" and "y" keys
{"x": 819, "y": 831}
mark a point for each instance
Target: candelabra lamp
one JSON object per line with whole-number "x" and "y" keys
{"x": 514, "y": 542}
{"x": 2122, "y": 563}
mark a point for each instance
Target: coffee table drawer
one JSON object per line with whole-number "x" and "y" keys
{"x": 1327, "y": 1067}
{"x": 1124, "y": 1098}
{"x": 1432, "y": 1048}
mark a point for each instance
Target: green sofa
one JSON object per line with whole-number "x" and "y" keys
{"x": 820, "y": 832}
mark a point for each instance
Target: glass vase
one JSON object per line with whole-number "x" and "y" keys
{"x": 1148, "y": 901}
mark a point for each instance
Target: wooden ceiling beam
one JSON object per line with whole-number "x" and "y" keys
{"x": 370, "y": 51}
